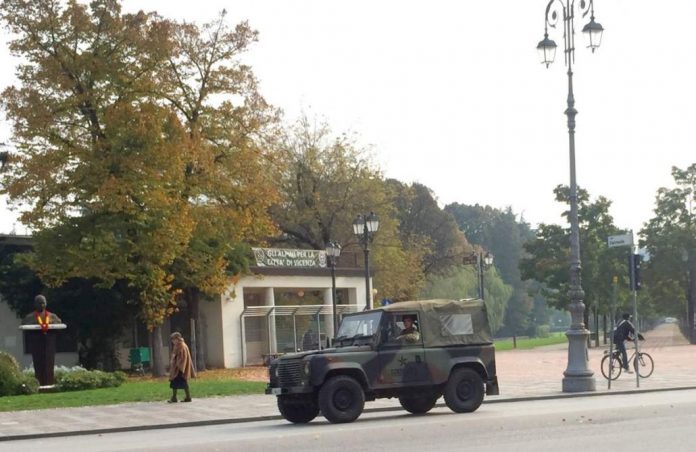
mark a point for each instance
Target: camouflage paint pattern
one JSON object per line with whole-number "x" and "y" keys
{"x": 452, "y": 334}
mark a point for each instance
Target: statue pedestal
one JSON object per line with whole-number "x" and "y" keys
{"x": 42, "y": 346}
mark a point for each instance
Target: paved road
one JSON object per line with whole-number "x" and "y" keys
{"x": 636, "y": 422}
{"x": 522, "y": 374}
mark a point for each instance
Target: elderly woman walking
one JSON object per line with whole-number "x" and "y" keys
{"x": 180, "y": 367}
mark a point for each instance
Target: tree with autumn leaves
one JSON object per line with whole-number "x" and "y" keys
{"x": 326, "y": 180}
{"x": 148, "y": 159}
{"x": 127, "y": 169}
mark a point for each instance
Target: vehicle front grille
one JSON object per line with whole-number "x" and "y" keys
{"x": 289, "y": 372}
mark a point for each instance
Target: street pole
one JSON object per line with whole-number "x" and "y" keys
{"x": 690, "y": 261}
{"x": 634, "y": 295}
{"x": 614, "y": 288}
{"x": 333, "y": 295}
{"x": 479, "y": 267}
{"x": 364, "y": 228}
{"x": 577, "y": 377}
{"x": 366, "y": 243}
{"x": 333, "y": 251}
{"x": 691, "y": 294}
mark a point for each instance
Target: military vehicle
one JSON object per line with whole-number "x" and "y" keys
{"x": 417, "y": 351}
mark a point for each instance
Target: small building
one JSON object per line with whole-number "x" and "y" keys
{"x": 285, "y": 305}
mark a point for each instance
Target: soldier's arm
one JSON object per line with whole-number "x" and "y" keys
{"x": 411, "y": 337}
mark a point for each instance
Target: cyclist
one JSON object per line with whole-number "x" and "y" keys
{"x": 625, "y": 332}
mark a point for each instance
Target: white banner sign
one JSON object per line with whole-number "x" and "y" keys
{"x": 620, "y": 240}
{"x": 282, "y": 257}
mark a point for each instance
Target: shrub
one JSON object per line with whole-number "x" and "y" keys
{"x": 88, "y": 379}
{"x": 28, "y": 384}
{"x": 12, "y": 381}
{"x": 60, "y": 371}
{"x": 543, "y": 331}
{"x": 9, "y": 374}
{"x": 120, "y": 377}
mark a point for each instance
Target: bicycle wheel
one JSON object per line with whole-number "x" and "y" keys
{"x": 615, "y": 367}
{"x": 643, "y": 363}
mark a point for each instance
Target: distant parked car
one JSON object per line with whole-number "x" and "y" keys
{"x": 671, "y": 320}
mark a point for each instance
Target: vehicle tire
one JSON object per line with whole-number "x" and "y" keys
{"x": 616, "y": 367}
{"x": 298, "y": 410}
{"x": 464, "y": 390}
{"x": 419, "y": 403}
{"x": 341, "y": 399}
{"x": 644, "y": 365}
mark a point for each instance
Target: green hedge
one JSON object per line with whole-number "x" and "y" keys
{"x": 88, "y": 379}
{"x": 15, "y": 382}
{"x": 543, "y": 331}
{"x": 12, "y": 381}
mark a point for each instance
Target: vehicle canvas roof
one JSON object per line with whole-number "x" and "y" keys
{"x": 449, "y": 322}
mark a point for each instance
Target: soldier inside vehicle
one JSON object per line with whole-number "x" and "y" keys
{"x": 410, "y": 332}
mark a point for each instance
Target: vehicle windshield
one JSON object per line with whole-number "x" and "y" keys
{"x": 359, "y": 326}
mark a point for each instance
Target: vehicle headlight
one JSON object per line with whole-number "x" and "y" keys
{"x": 274, "y": 371}
{"x": 306, "y": 368}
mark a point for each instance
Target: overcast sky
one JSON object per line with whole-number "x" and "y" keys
{"x": 451, "y": 94}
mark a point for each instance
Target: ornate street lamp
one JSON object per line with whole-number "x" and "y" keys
{"x": 578, "y": 376}
{"x": 333, "y": 251}
{"x": 365, "y": 227}
{"x": 485, "y": 261}
{"x": 482, "y": 262}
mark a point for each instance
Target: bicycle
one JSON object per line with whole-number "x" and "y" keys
{"x": 642, "y": 364}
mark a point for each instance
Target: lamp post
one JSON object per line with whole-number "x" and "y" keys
{"x": 689, "y": 259}
{"x": 333, "y": 251}
{"x": 365, "y": 227}
{"x": 483, "y": 261}
{"x": 578, "y": 376}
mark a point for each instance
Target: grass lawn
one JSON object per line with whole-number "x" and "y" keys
{"x": 554, "y": 338}
{"x": 133, "y": 390}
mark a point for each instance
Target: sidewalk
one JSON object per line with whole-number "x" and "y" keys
{"x": 523, "y": 375}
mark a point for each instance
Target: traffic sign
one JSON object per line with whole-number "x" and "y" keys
{"x": 620, "y": 240}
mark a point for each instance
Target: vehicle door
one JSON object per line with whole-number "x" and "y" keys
{"x": 401, "y": 361}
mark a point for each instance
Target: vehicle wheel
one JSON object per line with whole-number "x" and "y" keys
{"x": 420, "y": 403}
{"x": 644, "y": 365}
{"x": 464, "y": 391}
{"x": 341, "y": 399}
{"x": 298, "y": 410}
{"x": 615, "y": 367}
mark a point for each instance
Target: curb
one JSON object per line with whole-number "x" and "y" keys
{"x": 242, "y": 420}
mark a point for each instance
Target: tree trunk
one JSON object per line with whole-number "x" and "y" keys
{"x": 596, "y": 323}
{"x": 158, "y": 361}
{"x": 193, "y": 297}
{"x": 604, "y": 327}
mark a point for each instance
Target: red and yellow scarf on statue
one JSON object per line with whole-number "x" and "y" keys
{"x": 43, "y": 323}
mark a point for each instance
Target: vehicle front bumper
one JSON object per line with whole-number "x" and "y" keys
{"x": 274, "y": 390}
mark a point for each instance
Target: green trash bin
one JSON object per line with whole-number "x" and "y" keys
{"x": 139, "y": 357}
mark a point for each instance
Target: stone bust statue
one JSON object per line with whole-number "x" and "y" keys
{"x": 40, "y": 315}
